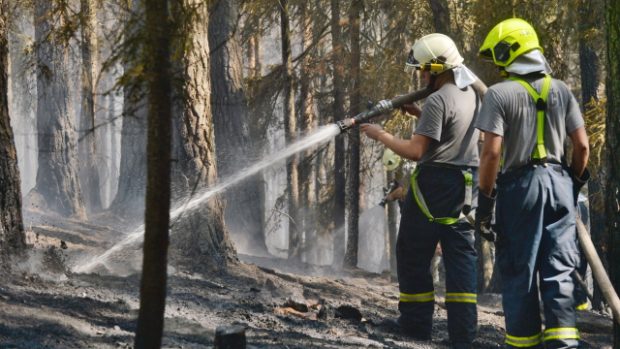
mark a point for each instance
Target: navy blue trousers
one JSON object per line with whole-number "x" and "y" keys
{"x": 536, "y": 252}
{"x": 444, "y": 190}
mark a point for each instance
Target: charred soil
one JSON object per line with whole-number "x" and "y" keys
{"x": 281, "y": 305}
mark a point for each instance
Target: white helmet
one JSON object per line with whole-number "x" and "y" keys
{"x": 434, "y": 52}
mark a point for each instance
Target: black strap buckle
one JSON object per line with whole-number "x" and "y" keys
{"x": 541, "y": 104}
{"x": 539, "y": 162}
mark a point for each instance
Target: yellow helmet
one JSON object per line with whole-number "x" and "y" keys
{"x": 390, "y": 160}
{"x": 508, "y": 40}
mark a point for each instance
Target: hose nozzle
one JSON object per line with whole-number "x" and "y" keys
{"x": 345, "y": 124}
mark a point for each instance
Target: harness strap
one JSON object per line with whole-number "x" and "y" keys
{"x": 419, "y": 198}
{"x": 540, "y": 152}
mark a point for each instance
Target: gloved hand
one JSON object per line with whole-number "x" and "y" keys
{"x": 579, "y": 182}
{"x": 484, "y": 214}
{"x": 384, "y": 106}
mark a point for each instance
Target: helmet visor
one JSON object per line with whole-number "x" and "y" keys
{"x": 486, "y": 55}
{"x": 411, "y": 64}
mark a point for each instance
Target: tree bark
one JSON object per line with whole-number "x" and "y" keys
{"x": 392, "y": 233}
{"x": 307, "y": 173}
{"x": 157, "y": 48}
{"x": 441, "y": 16}
{"x": 338, "y": 67}
{"x": 253, "y": 56}
{"x": 353, "y": 170}
{"x": 57, "y": 180}
{"x": 290, "y": 126}
{"x": 233, "y": 144}
{"x": 128, "y": 202}
{"x": 89, "y": 174}
{"x": 200, "y": 234}
{"x": 612, "y": 186}
{"x": 589, "y": 64}
{"x": 22, "y": 88}
{"x": 12, "y": 237}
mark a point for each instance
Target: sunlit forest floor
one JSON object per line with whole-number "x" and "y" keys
{"x": 45, "y": 306}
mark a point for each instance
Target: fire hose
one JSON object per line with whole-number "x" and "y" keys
{"x": 598, "y": 270}
{"x": 398, "y": 102}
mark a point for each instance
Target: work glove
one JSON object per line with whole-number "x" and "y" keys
{"x": 384, "y": 106}
{"x": 484, "y": 214}
{"x": 579, "y": 182}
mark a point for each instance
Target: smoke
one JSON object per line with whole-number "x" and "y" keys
{"x": 372, "y": 235}
{"x": 49, "y": 264}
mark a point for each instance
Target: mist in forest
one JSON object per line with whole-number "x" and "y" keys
{"x": 122, "y": 204}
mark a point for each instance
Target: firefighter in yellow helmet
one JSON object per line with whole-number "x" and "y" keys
{"x": 526, "y": 119}
{"x": 445, "y": 146}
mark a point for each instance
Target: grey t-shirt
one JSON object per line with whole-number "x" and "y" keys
{"x": 447, "y": 117}
{"x": 509, "y": 111}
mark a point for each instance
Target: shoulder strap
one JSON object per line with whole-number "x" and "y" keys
{"x": 540, "y": 152}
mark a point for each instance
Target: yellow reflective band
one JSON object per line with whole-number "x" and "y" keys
{"x": 524, "y": 342}
{"x": 469, "y": 178}
{"x": 417, "y": 297}
{"x": 582, "y": 307}
{"x": 419, "y": 199}
{"x": 561, "y": 333}
{"x": 452, "y": 297}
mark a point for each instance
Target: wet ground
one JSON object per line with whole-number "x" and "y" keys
{"x": 44, "y": 306}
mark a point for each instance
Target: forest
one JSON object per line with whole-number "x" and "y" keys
{"x": 174, "y": 173}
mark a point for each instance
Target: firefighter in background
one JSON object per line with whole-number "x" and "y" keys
{"x": 445, "y": 146}
{"x": 531, "y": 114}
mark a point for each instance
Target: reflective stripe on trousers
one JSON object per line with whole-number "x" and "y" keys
{"x": 459, "y": 297}
{"x": 548, "y": 335}
{"x": 524, "y": 342}
{"x": 417, "y": 297}
{"x": 560, "y": 333}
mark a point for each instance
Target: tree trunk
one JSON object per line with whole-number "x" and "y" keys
{"x": 128, "y": 202}
{"x": 612, "y": 186}
{"x": 307, "y": 173}
{"x": 22, "y": 87}
{"x": 485, "y": 265}
{"x": 290, "y": 126}
{"x": 338, "y": 66}
{"x": 157, "y": 48}
{"x": 589, "y": 64}
{"x": 57, "y": 180}
{"x": 199, "y": 234}
{"x": 89, "y": 174}
{"x": 12, "y": 237}
{"x": 441, "y": 16}
{"x": 253, "y": 56}
{"x": 353, "y": 170}
{"x": 233, "y": 145}
{"x": 392, "y": 224}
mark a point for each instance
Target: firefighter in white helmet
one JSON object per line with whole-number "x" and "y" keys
{"x": 445, "y": 146}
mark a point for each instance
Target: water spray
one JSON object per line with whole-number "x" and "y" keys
{"x": 319, "y": 136}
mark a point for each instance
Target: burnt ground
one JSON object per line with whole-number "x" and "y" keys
{"x": 43, "y": 305}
